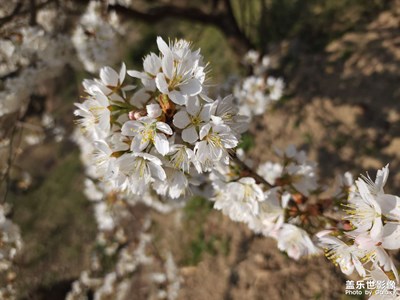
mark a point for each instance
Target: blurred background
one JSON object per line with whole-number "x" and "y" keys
{"x": 340, "y": 60}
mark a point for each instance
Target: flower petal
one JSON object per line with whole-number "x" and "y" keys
{"x": 177, "y": 97}
{"x": 161, "y": 143}
{"x": 192, "y": 88}
{"x": 137, "y": 74}
{"x": 161, "y": 83}
{"x": 109, "y": 76}
{"x": 181, "y": 119}
{"x": 164, "y": 127}
{"x": 162, "y": 46}
{"x": 152, "y": 64}
{"x": 391, "y": 236}
{"x": 390, "y": 206}
{"x": 157, "y": 171}
{"x": 103, "y": 147}
{"x": 168, "y": 65}
{"x": 367, "y": 196}
{"x": 359, "y": 268}
{"x": 376, "y": 230}
{"x": 205, "y": 113}
{"x": 193, "y": 106}
{"x": 381, "y": 177}
{"x": 131, "y": 128}
{"x": 190, "y": 135}
{"x": 139, "y": 144}
{"x": 122, "y": 73}
{"x": 102, "y": 99}
{"x": 204, "y": 130}
{"x": 139, "y": 98}
{"x": 153, "y": 110}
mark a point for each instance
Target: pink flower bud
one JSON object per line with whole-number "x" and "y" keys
{"x": 136, "y": 114}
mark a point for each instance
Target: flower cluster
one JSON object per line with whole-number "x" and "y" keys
{"x": 10, "y": 246}
{"x": 296, "y": 173}
{"x": 96, "y": 38}
{"x": 374, "y": 228}
{"x": 131, "y": 257}
{"x": 30, "y": 55}
{"x": 256, "y": 92}
{"x": 162, "y": 134}
{"x": 265, "y": 210}
{"x": 26, "y": 60}
{"x": 155, "y": 138}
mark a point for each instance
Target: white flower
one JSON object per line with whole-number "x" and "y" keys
{"x": 103, "y": 216}
{"x": 251, "y": 96}
{"x": 109, "y": 84}
{"x": 175, "y": 185}
{"x": 95, "y": 115}
{"x": 181, "y": 157}
{"x": 215, "y": 139}
{"x": 110, "y": 78}
{"x": 151, "y": 67}
{"x": 300, "y": 172}
{"x": 91, "y": 191}
{"x": 375, "y": 253}
{"x": 272, "y": 212}
{"x": 228, "y": 112}
{"x": 303, "y": 177}
{"x": 270, "y": 171}
{"x": 295, "y": 242}
{"x": 153, "y": 110}
{"x": 365, "y": 212}
{"x": 182, "y": 71}
{"x": 369, "y": 204}
{"x": 240, "y": 200}
{"x": 147, "y": 130}
{"x": 384, "y": 292}
{"x": 192, "y": 119}
{"x": 347, "y": 257}
{"x": 275, "y": 86}
{"x": 105, "y": 163}
{"x": 343, "y": 185}
{"x": 177, "y": 73}
{"x": 96, "y": 39}
{"x": 140, "y": 169}
{"x": 251, "y": 57}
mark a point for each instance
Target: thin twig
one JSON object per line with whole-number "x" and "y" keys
{"x": 32, "y": 20}
{"x": 18, "y": 11}
{"x": 11, "y": 16}
{"x": 6, "y": 178}
{"x": 249, "y": 170}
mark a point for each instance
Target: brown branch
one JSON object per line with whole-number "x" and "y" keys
{"x": 230, "y": 27}
{"x": 224, "y": 20}
{"x": 6, "y": 179}
{"x": 32, "y": 20}
{"x": 19, "y": 12}
{"x": 11, "y": 16}
{"x": 242, "y": 165}
{"x": 157, "y": 14}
